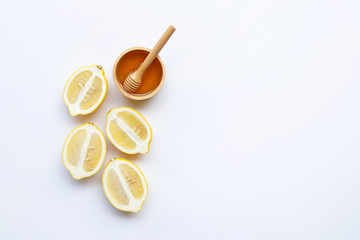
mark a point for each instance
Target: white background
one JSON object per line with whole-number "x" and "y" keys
{"x": 256, "y": 129}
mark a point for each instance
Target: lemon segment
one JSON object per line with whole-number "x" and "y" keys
{"x": 84, "y": 151}
{"x": 124, "y": 185}
{"x": 128, "y": 130}
{"x": 85, "y": 90}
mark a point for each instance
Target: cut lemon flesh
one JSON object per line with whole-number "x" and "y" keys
{"x": 128, "y": 130}
{"x": 84, "y": 151}
{"x": 85, "y": 90}
{"x": 124, "y": 185}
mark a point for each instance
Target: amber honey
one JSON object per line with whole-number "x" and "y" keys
{"x": 131, "y": 61}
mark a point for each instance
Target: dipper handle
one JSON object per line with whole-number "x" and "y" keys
{"x": 156, "y": 49}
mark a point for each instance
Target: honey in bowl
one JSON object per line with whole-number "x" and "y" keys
{"x": 153, "y": 77}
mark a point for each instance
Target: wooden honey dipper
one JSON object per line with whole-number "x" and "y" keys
{"x": 133, "y": 80}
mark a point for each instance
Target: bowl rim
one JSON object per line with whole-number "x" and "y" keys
{"x": 131, "y": 95}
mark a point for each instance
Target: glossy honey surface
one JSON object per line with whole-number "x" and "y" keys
{"x": 131, "y": 61}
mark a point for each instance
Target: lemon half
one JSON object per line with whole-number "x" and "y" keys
{"x": 128, "y": 130}
{"x": 84, "y": 151}
{"x": 124, "y": 185}
{"x": 85, "y": 90}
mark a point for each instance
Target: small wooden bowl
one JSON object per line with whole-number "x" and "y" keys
{"x": 129, "y": 61}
